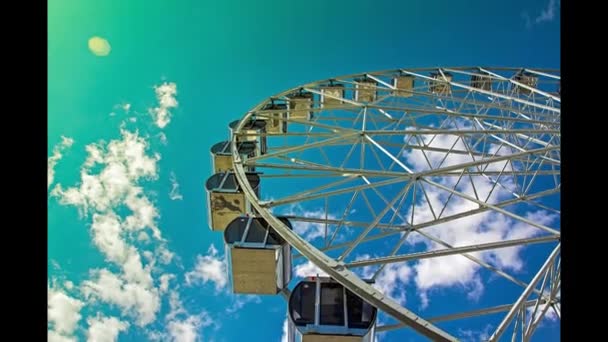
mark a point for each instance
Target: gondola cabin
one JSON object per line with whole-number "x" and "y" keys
{"x": 332, "y": 95}
{"x": 440, "y": 85}
{"x": 482, "y": 82}
{"x": 252, "y": 131}
{"x": 259, "y": 259}
{"x": 404, "y": 85}
{"x": 322, "y": 310}
{"x": 300, "y": 105}
{"x": 365, "y": 90}
{"x": 274, "y": 114}
{"x": 221, "y": 154}
{"x": 226, "y": 200}
{"x": 526, "y": 79}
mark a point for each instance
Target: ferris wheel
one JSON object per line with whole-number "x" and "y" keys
{"x": 451, "y": 174}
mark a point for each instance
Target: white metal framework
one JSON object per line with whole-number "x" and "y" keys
{"x": 398, "y": 161}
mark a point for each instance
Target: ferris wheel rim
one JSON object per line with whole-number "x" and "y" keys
{"x": 337, "y": 269}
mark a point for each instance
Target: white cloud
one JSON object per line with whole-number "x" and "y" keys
{"x": 239, "y": 301}
{"x": 308, "y": 269}
{"x": 550, "y": 314}
{"x": 106, "y": 229}
{"x": 144, "y": 213}
{"x": 209, "y": 268}
{"x": 94, "y": 155}
{"x": 125, "y": 163}
{"x": 308, "y": 230}
{"x": 143, "y": 237}
{"x": 176, "y": 305}
{"x": 392, "y": 279}
{"x": 163, "y": 138}
{"x": 284, "y": 336}
{"x": 54, "y": 159}
{"x": 164, "y": 282}
{"x": 419, "y": 160}
{"x": 547, "y": 14}
{"x": 134, "y": 298}
{"x": 110, "y": 194}
{"x": 135, "y": 272}
{"x": 63, "y": 312}
{"x": 184, "y": 329}
{"x": 165, "y": 94}
{"x": 164, "y": 255}
{"x": 489, "y": 226}
{"x": 474, "y": 335}
{"x": 105, "y": 329}
{"x": 174, "y": 194}
{"x": 54, "y": 336}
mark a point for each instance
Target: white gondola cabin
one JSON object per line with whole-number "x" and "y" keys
{"x": 275, "y": 114}
{"x": 440, "y": 85}
{"x": 300, "y": 105}
{"x": 259, "y": 259}
{"x": 322, "y": 310}
{"x": 221, "y": 155}
{"x": 252, "y": 131}
{"x": 332, "y": 94}
{"x": 365, "y": 90}
{"x": 525, "y": 79}
{"x": 482, "y": 82}
{"x": 404, "y": 85}
{"x": 226, "y": 200}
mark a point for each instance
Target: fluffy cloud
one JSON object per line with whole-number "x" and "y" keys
{"x": 57, "y": 155}
{"x": 489, "y": 226}
{"x": 63, "y": 312}
{"x": 308, "y": 269}
{"x": 136, "y": 299}
{"x": 124, "y": 163}
{"x": 184, "y": 331}
{"x": 284, "y": 336}
{"x": 54, "y": 336}
{"x": 122, "y": 216}
{"x": 239, "y": 301}
{"x": 474, "y": 335}
{"x": 392, "y": 278}
{"x": 174, "y": 193}
{"x": 120, "y": 165}
{"x": 308, "y": 230}
{"x": 165, "y": 94}
{"x": 547, "y": 14}
{"x": 550, "y": 314}
{"x": 164, "y": 282}
{"x": 182, "y": 326}
{"x": 164, "y": 255}
{"x": 390, "y": 281}
{"x": 105, "y": 329}
{"x": 106, "y": 229}
{"x": 209, "y": 268}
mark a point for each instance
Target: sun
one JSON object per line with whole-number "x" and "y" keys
{"x": 99, "y": 46}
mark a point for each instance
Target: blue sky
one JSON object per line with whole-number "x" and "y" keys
{"x": 130, "y": 256}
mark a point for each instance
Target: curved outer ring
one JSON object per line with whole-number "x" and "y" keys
{"x": 336, "y": 270}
